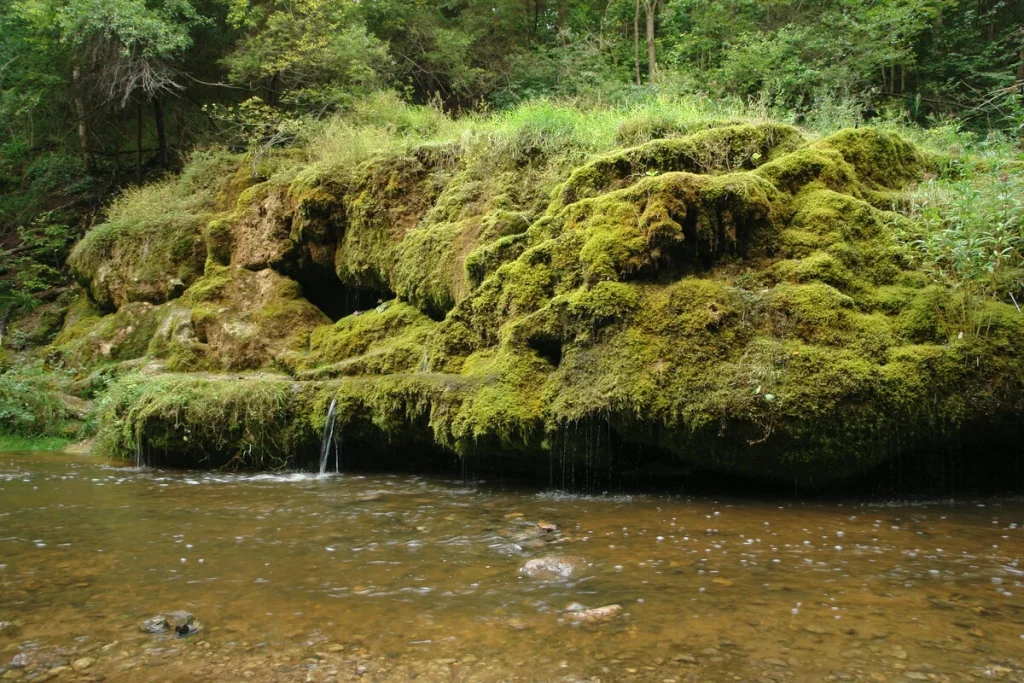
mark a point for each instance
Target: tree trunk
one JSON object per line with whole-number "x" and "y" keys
{"x": 83, "y": 128}
{"x": 161, "y": 134}
{"x": 636, "y": 41}
{"x": 652, "y": 65}
{"x": 138, "y": 143}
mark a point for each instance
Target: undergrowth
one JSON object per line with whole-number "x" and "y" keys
{"x": 33, "y": 403}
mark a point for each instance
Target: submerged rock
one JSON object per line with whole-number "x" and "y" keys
{"x": 82, "y": 664}
{"x": 157, "y": 624}
{"x": 550, "y": 568}
{"x": 8, "y": 628}
{"x": 180, "y": 622}
{"x": 594, "y": 615}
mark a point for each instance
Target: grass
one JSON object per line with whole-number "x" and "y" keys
{"x": 23, "y": 444}
{"x": 384, "y": 124}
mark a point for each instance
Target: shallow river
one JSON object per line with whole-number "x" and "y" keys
{"x": 398, "y": 578}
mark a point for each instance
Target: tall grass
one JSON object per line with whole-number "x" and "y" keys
{"x": 556, "y": 131}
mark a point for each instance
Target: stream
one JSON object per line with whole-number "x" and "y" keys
{"x": 300, "y": 577}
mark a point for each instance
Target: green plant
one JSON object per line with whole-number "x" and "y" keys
{"x": 31, "y": 402}
{"x": 970, "y": 237}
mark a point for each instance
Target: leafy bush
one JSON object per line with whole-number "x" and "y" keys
{"x": 971, "y": 237}
{"x": 30, "y": 404}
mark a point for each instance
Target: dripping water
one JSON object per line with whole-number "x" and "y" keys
{"x": 325, "y": 445}
{"x": 139, "y": 460}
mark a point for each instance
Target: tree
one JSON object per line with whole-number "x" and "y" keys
{"x": 121, "y": 51}
{"x": 311, "y": 54}
{"x": 650, "y": 9}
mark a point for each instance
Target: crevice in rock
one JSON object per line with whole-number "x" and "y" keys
{"x": 338, "y": 300}
{"x": 548, "y": 346}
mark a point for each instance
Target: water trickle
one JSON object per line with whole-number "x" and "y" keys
{"x": 325, "y": 444}
{"x": 425, "y": 362}
{"x": 139, "y": 460}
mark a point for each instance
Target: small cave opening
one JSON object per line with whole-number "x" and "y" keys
{"x": 338, "y": 300}
{"x": 548, "y": 347}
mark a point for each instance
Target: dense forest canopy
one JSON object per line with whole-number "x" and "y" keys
{"x": 96, "y": 95}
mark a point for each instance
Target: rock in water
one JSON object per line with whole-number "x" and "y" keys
{"x": 157, "y": 624}
{"x": 596, "y": 615}
{"x": 550, "y": 568}
{"x": 185, "y": 624}
{"x": 82, "y": 664}
{"x": 182, "y": 623}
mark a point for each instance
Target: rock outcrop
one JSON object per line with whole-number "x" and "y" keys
{"x": 736, "y": 299}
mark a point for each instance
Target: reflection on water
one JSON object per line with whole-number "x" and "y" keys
{"x": 388, "y": 578}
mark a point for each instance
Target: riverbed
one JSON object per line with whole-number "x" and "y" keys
{"x": 295, "y": 577}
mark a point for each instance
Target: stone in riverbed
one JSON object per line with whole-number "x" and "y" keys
{"x": 157, "y": 624}
{"x": 8, "y": 628}
{"x": 82, "y": 664}
{"x": 595, "y": 615}
{"x": 550, "y": 568}
{"x": 182, "y": 623}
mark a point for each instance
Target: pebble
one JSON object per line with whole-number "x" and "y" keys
{"x": 82, "y": 664}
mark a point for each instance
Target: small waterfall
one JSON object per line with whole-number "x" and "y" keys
{"x": 425, "y": 362}
{"x": 139, "y": 460}
{"x": 325, "y": 445}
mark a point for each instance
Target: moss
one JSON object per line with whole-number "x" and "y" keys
{"x": 219, "y": 242}
{"x": 194, "y": 421}
{"x": 151, "y": 247}
{"x": 251, "y": 319}
{"x": 125, "y": 335}
{"x": 724, "y": 149}
{"x": 881, "y": 160}
{"x": 734, "y": 296}
{"x": 391, "y": 338}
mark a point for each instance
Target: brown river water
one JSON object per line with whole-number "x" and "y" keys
{"x": 400, "y": 578}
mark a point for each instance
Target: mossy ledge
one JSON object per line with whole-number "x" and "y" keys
{"x": 733, "y": 300}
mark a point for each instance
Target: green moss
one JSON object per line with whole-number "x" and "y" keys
{"x": 881, "y": 160}
{"x": 732, "y": 295}
{"x": 391, "y": 338}
{"x": 723, "y": 149}
{"x": 218, "y": 242}
{"x": 124, "y": 335}
{"x": 151, "y": 247}
{"x": 194, "y": 421}
{"x": 249, "y": 319}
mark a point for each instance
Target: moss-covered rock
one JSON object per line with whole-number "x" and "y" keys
{"x": 733, "y": 298}
{"x": 151, "y": 247}
{"x": 245, "y": 319}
